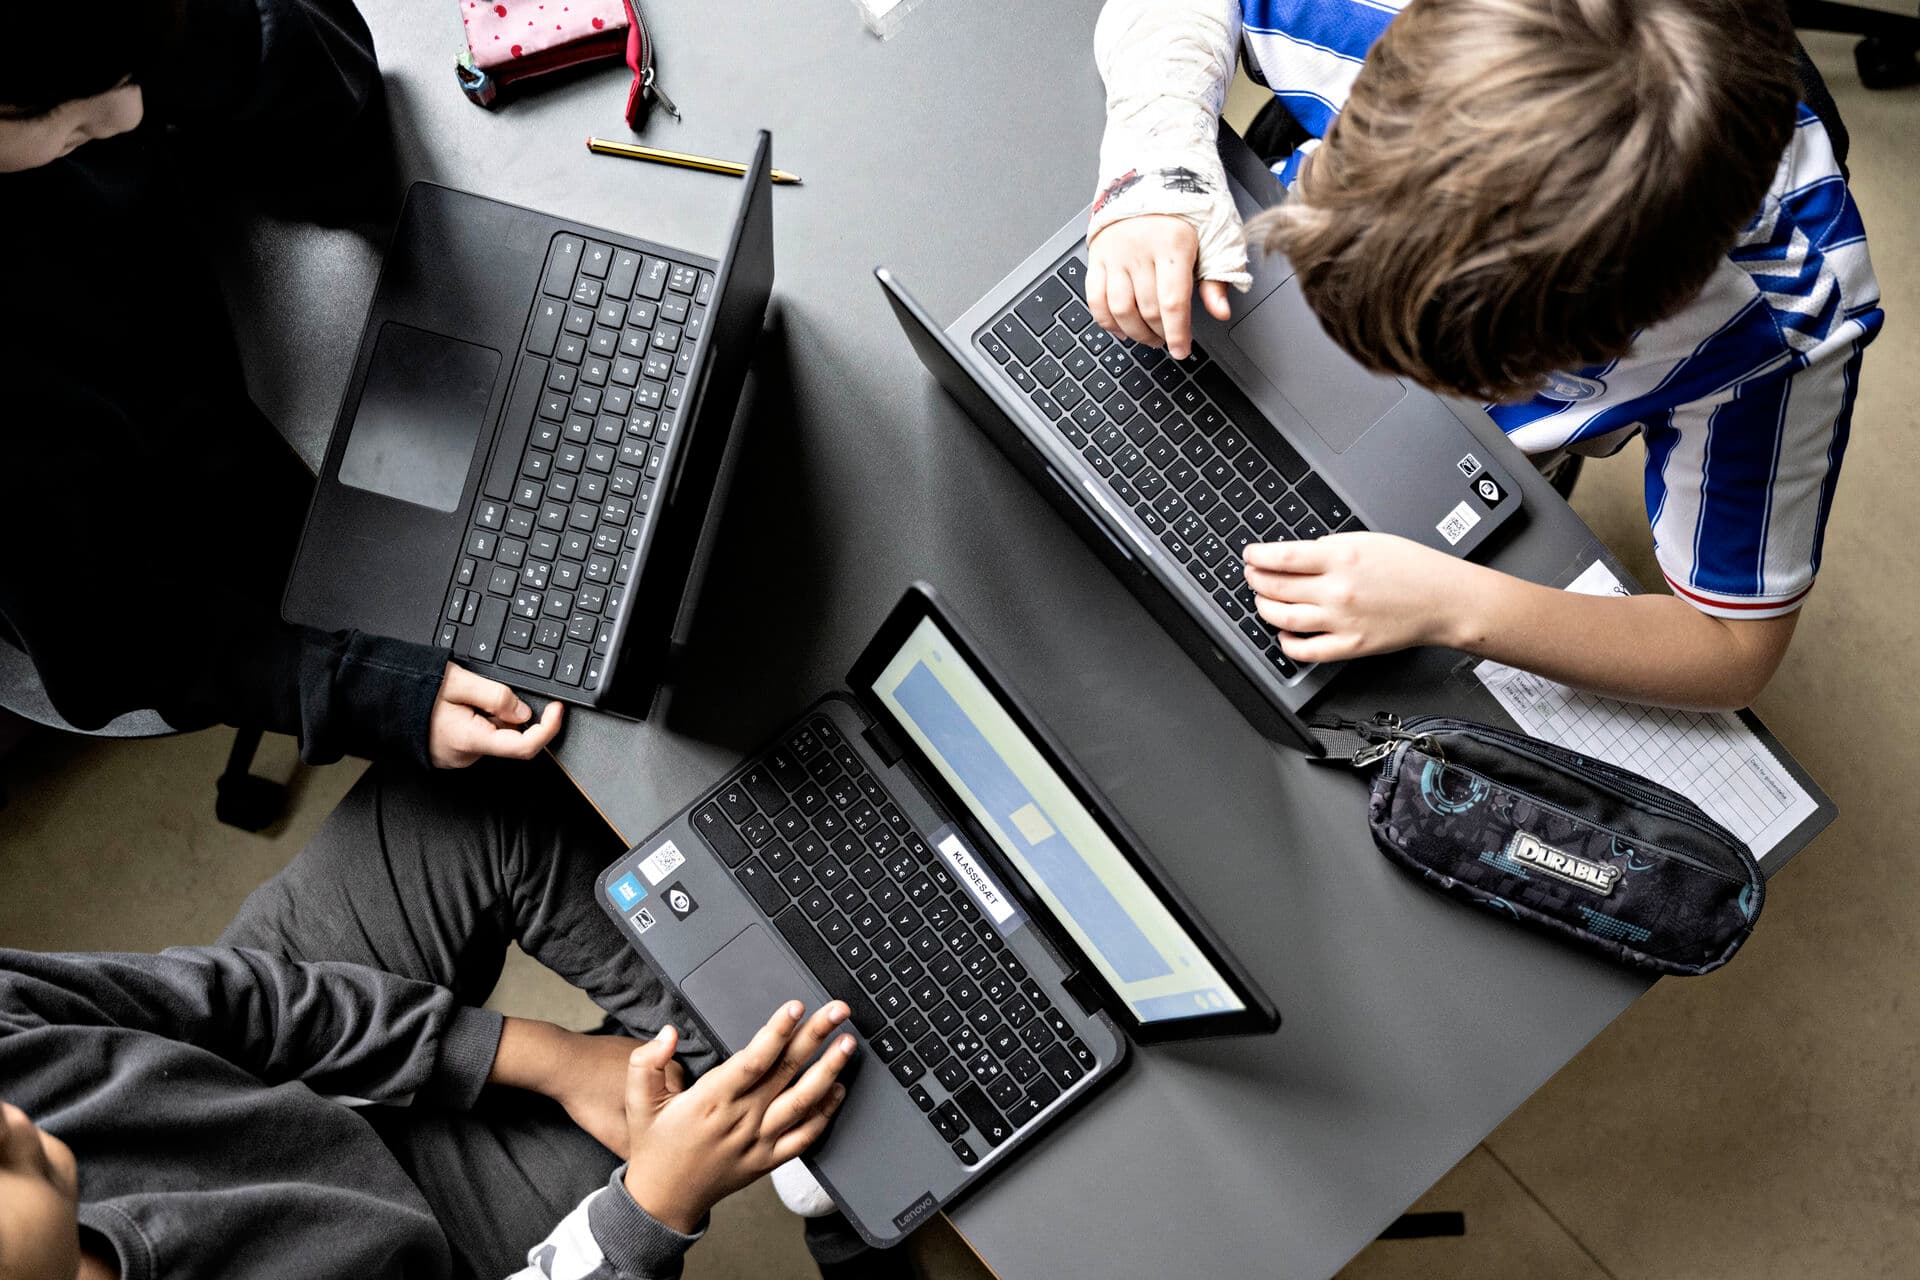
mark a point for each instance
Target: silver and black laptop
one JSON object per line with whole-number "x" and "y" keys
{"x": 927, "y": 852}
{"x": 529, "y": 444}
{"x": 1169, "y": 468}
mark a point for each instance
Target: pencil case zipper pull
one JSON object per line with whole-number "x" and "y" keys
{"x": 1386, "y": 734}
{"x": 652, "y": 89}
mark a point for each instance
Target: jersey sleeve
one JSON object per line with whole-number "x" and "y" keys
{"x": 1309, "y": 51}
{"x": 1738, "y": 490}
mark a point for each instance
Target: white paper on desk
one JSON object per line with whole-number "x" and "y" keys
{"x": 1711, "y": 757}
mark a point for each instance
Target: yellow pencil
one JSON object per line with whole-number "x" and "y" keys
{"x": 684, "y": 159}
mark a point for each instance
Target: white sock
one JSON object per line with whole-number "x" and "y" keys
{"x": 799, "y": 1192}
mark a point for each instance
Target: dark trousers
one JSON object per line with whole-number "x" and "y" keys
{"x": 430, "y": 876}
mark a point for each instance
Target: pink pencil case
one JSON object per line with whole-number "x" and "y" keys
{"x": 509, "y": 41}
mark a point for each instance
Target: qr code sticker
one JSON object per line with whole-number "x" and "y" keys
{"x": 1458, "y": 524}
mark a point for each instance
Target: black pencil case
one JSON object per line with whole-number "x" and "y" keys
{"x": 1593, "y": 854}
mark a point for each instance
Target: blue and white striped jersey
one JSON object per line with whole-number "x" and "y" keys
{"x": 1744, "y": 399}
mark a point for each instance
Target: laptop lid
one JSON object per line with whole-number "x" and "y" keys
{"x": 743, "y": 283}
{"x": 1076, "y": 870}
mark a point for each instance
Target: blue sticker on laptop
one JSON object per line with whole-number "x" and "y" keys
{"x": 970, "y": 871}
{"x": 626, "y": 891}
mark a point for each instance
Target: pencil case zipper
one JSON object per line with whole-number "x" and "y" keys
{"x": 647, "y": 82}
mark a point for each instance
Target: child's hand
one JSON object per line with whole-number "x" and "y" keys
{"x": 585, "y": 1074}
{"x": 1140, "y": 281}
{"x": 474, "y": 716}
{"x": 1351, "y": 594}
{"x": 690, "y": 1148}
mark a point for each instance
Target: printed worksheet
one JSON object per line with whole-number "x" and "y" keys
{"x": 1711, "y": 757}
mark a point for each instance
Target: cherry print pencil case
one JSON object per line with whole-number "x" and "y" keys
{"x": 509, "y": 41}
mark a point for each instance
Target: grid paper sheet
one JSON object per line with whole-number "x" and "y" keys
{"x": 1712, "y": 758}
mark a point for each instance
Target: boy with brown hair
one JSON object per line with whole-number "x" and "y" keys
{"x": 1600, "y": 218}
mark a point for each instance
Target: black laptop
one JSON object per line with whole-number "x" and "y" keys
{"x": 926, "y": 851}
{"x": 1169, "y": 468}
{"x": 530, "y": 439}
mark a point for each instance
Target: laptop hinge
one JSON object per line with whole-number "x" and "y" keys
{"x": 1076, "y": 985}
{"x": 882, "y": 744}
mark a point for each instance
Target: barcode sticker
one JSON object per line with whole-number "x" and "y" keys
{"x": 1458, "y": 524}
{"x": 656, "y": 865}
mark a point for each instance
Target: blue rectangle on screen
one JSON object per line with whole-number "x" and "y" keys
{"x": 1185, "y": 1004}
{"x": 1054, "y": 859}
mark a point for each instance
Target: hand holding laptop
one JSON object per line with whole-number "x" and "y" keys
{"x": 1140, "y": 282}
{"x": 690, "y": 1148}
{"x": 474, "y": 716}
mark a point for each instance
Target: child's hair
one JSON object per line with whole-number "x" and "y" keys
{"x": 56, "y": 53}
{"x": 1519, "y": 186}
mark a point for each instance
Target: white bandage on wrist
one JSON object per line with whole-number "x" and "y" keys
{"x": 799, "y": 1191}
{"x": 1166, "y": 64}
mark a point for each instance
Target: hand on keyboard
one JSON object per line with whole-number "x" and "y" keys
{"x": 1140, "y": 282}
{"x": 1352, "y": 594}
{"x": 474, "y": 716}
{"x": 690, "y": 1147}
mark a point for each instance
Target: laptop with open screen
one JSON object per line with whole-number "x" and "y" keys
{"x": 529, "y": 440}
{"x": 1170, "y": 468}
{"x": 925, "y": 850}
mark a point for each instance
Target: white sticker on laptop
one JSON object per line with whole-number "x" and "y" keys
{"x": 1458, "y": 524}
{"x": 661, "y": 863}
{"x": 989, "y": 895}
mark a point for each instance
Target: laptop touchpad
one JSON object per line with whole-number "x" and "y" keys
{"x": 420, "y": 414}
{"x": 1337, "y": 397}
{"x": 737, "y": 988}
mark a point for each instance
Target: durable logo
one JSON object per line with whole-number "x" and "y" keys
{"x": 909, "y": 1218}
{"x": 1594, "y": 877}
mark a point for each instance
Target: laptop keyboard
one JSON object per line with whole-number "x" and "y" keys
{"x": 1175, "y": 441}
{"x": 583, "y": 443}
{"x": 814, "y": 838}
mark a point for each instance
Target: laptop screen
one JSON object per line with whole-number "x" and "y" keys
{"x": 1046, "y": 833}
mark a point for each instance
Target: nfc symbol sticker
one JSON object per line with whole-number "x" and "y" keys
{"x": 1488, "y": 490}
{"x": 679, "y": 901}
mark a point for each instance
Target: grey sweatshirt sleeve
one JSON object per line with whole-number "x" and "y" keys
{"x": 342, "y": 1029}
{"x": 609, "y": 1237}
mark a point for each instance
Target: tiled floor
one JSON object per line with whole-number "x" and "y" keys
{"x": 1760, "y": 1123}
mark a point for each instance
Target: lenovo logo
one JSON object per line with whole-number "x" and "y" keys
{"x": 911, "y": 1216}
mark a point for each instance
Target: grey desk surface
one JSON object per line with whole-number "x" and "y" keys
{"x": 1412, "y": 1026}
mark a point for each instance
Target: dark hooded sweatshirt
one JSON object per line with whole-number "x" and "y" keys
{"x": 151, "y": 511}
{"x": 213, "y": 1099}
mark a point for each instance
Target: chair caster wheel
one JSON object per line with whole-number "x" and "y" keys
{"x": 249, "y": 803}
{"x": 1886, "y": 64}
